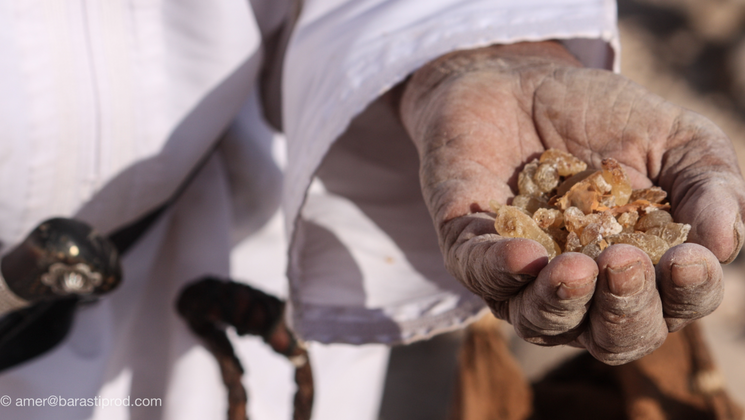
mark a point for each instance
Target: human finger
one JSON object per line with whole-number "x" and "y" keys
{"x": 625, "y": 320}
{"x": 690, "y": 283}
{"x": 550, "y": 310}
{"x": 707, "y": 191}
{"x": 489, "y": 265}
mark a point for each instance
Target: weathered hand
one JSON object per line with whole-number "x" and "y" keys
{"x": 478, "y": 116}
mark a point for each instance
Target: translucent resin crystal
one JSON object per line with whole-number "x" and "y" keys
{"x": 511, "y": 222}
{"x": 566, "y": 207}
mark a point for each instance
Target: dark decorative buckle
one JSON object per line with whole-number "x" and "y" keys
{"x": 67, "y": 279}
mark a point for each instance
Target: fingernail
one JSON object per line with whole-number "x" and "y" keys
{"x": 687, "y": 275}
{"x": 626, "y": 280}
{"x": 575, "y": 289}
{"x": 738, "y": 238}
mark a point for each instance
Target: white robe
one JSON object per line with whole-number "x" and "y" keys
{"x": 106, "y": 106}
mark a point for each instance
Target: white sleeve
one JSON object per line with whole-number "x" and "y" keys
{"x": 346, "y": 53}
{"x": 343, "y": 55}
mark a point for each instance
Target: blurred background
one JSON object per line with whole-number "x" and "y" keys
{"x": 692, "y": 53}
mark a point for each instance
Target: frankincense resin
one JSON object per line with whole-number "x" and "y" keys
{"x": 567, "y": 208}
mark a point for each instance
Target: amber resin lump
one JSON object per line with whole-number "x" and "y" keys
{"x": 567, "y": 208}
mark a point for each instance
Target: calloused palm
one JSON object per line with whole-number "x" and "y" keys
{"x": 478, "y": 116}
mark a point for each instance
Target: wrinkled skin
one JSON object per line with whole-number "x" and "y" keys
{"x": 477, "y": 116}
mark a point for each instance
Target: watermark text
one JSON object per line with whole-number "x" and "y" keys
{"x": 98, "y": 401}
